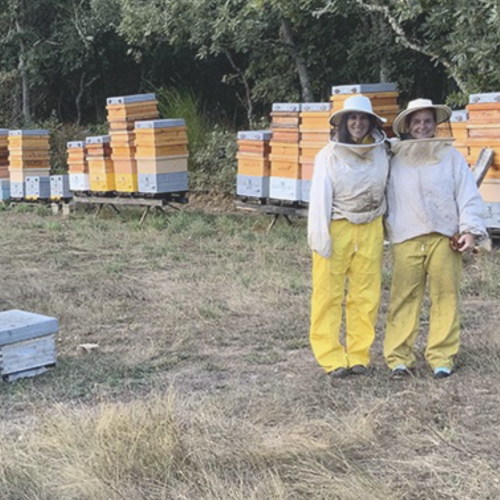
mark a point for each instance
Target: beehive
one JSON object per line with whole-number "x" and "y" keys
{"x": 27, "y": 343}
{"x": 123, "y": 112}
{"x": 314, "y": 136}
{"x": 383, "y": 96}
{"x": 285, "y": 182}
{"x": 162, "y": 156}
{"x": 4, "y": 153}
{"x": 100, "y": 164}
{"x": 483, "y": 130}
{"x": 29, "y": 156}
{"x": 254, "y": 167}
{"x": 78, "y": 168}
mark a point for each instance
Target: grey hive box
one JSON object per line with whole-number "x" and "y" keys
{"x": 59, "y": 187}
{"x": 38, "y": 187}
{"x": 27, "y": 344}
{"x": 173, "y": 182}
{"x": 4, "y": 189}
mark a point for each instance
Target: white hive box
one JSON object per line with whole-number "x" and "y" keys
{"x": 17, "y": 190}
{"x": 59, "y": 187}
{"x": 282, "y": 188}
{"x": 38, "y": 187}
{"x": 27, "y": 344}
{"x": 249, "y": 185}
{"x": 79, "y": 182}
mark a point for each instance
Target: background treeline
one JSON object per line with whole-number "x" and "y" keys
{"x": 222, "y": 63}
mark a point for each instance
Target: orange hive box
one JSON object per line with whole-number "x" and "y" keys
{"x": 254, "y": 167}
{"x": 483, "y": 130}
{"x": 314, "y": 135}
{"x": 4, "y": 154}
{"x": 285, "y": 167}
{"x": 384, "y": 98}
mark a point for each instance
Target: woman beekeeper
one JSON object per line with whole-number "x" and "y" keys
{"x": 432, "y": 197}
{"x": 345, "y": 232}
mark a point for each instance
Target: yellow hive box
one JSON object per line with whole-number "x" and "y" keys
{"x": 126, "y": 183}
{"x": 104, "y": 166}
{"x": 102, "y": 182}
{"x": 165, "y": 166}
{"x": 161, "y": 151}
{"x": 258, "y": 167}
{"x": 284, "y": 149}
{"x": 286, "y": 169}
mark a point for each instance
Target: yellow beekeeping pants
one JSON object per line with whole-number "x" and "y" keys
{"x": 416, "y": 260}
{"x": 357, "y": 251}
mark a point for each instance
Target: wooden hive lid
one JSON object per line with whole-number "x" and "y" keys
{"x": 255, "y": 135}
{"x": 154, "y": 124}
{"x": 128, "y": 99}
{"x": 287, "y": 107}
{"x": 28, "y": 133}
{"x": 359, "y": 88}
{"x": 484, "y": 98}
{"x": 316, "y": 106}
{"x": 98, "y": 139}
{"x": 17, "y": 325}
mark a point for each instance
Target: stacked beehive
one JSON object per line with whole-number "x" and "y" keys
{"x": 285, "y": 182}
{"x": 384, "y": 98}
{"x": 27, "y": 344}
{"x": 254, "y": 167}
{"x": 29, "y": 164}
{"x": 4, "y": 165}
{"x": 314, "y": 136}
{"x": 123, "y": 112}
{"x": 458, "y": 123}
{"x": 483, "y": 130}
{"x": 78, "y": 168}
{"x": 98, "y": 155}
{"x": 162, "y": 156}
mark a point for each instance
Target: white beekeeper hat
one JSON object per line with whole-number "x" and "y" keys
{"x": 355, "y": 104}
{"x": 443, "y": 113}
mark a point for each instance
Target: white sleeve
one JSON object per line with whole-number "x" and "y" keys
{"x": 471, "y": 209}
{"x": 320, "y": 208}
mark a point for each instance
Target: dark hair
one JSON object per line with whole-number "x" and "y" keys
{"x": 343, "y": 134}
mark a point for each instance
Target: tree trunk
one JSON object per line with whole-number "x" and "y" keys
{"x": 300, "y": 63}
{"x": 23, "y": 72}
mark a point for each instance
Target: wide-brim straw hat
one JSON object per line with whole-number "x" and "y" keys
{"x": 355, "y": 104}
{"x": 443, "y": 113}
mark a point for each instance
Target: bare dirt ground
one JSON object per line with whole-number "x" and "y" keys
{"x": 202, "y": 324}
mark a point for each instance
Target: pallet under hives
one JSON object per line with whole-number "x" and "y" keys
{"x": 254, "y": 167}
{"x": 162, "y": 156}
{"x": 100, "y": 164}
{"x": 122, "y": 113}
{"x": 27, "y": 344}
{"x": 383, "y": 96}
{"x": 285, "y": 182}
{"x": 29, "y": 164}
{"x": 483, "y": 130}
{"x": 315, "y": 133}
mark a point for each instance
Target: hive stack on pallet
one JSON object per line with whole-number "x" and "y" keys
{"x": 483, "y": 130}
{"x": 285, "y": 182}
{"x": 123, "y": 112}
{"x": 254, "y": 167}
{"x": 4, "y": 165}
{"x": 162, "y": 156}
{"x": 79, "y": 179}
{"x": 98, "y": 155}
{"x": 314, "y": 136}
{"x": 458, "y": 122}
{"x": 384, "y": 98}
{"x": 27, "y": 344}
{"x": 29, "y": 164}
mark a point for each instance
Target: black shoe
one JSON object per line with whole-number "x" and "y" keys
{"x": 339, "y": 373}
{"x": 358, "y": 370}
{"x": 401, "y": 372}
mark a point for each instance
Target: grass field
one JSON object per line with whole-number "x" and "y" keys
{"x": 204, "y": 386}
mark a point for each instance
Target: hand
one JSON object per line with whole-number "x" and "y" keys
{"x": 466, "y": 242}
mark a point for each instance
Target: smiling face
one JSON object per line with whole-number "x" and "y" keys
{"x": 358, "y": 125}
{"x": 422, "y": 124}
